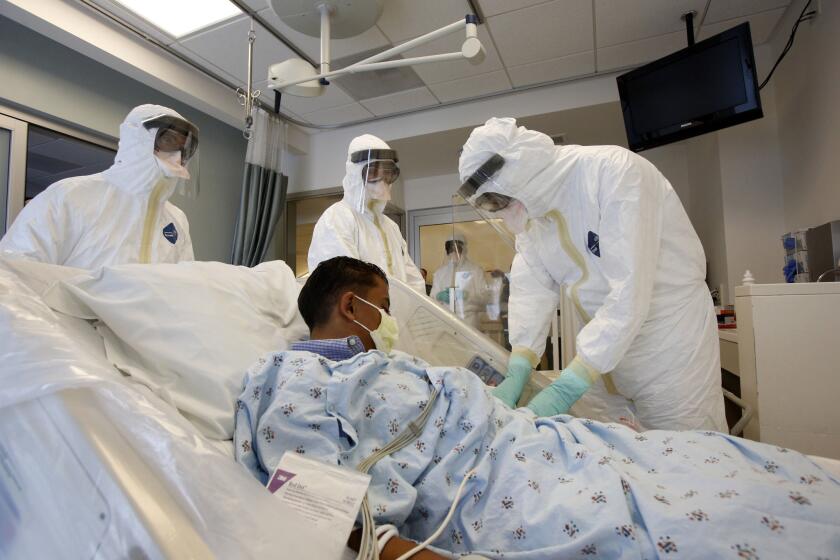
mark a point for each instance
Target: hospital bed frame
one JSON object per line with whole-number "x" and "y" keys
{"x": 94, "y": 458}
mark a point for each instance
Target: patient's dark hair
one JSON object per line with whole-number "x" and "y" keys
{"x": 329, "y": 280}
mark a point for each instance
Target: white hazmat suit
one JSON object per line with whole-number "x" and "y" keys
{"x": 471, "y": 290}
{"x": 121, "y": 215}
{"x": 604, "y": 224}
{"x": 356, "y": 226}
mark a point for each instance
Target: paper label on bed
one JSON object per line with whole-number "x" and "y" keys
{"x": 326, "y": 496}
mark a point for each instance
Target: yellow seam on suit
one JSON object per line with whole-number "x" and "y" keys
{"x": 149, "y": 222}
{"x": 577, "y": 258}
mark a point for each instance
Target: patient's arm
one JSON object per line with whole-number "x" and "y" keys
{"x": 395, "y": 548}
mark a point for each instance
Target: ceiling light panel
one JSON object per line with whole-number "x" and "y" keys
{"x": 183, "y": 17}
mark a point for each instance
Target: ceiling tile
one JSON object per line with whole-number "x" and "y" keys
{"x": 761, "y": 25}
{"x": 406, "y": 19}
{"x": 632, "y": 20}
{"x": 205, "y": 63}
{"x": 471, "y": 87}
{"x": 227, "y": 47}
{"x": 339, "y": 115}
{"x": 436, "y": 72}
{"x": 287, "y": 112}
{"x": 256, "y": 5}
{"x": 543, "y": 32}
{"x": 555, "y": 69}
{"x": 375, "y": 83}
{"x": 720, "y": 10}
{"x": 339, "y": 48}
{"x": 496, "y": 7}
{"x": 333, "y": 96}
{"x": 639, "y": 52}
{"x": 402, "y": 101}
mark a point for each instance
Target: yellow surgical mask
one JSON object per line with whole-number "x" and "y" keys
{"x": 386, "y": 335}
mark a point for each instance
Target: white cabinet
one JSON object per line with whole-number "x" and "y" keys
{"x": 789, "y": 361}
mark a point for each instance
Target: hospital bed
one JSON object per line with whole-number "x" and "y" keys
{"x": 94, "y": 466}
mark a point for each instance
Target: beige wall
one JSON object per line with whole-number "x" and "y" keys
{"x": 807, "y": 86}
{"x": 753, "y": 209}
{"x": 707, "y": 207}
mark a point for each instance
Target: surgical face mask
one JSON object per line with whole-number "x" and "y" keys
{"x": 515, "y": 216}
{"x": 378, "y": 191}
{"x": 170, "y": 164}
{"x": 386, "y": 335}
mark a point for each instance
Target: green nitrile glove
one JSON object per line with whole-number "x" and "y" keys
{"x": 563, "y": 392}
{"x": 509, "y": 390}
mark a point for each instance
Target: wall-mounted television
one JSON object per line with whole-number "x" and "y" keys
{"x": 705, "y": 87}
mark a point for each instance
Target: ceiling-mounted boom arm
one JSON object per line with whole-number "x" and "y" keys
{"x": 471, "y": 50}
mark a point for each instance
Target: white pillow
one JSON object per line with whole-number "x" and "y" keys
{"x": 188, "y": 331}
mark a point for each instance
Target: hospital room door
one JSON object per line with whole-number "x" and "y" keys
{"x": 427, "y": 233}
{"x": 480, "y": 288}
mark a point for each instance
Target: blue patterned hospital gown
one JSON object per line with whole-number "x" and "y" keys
{"x": 552, "y": 488}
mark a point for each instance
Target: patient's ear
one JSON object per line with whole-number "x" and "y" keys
{"x": 347, "y": 306}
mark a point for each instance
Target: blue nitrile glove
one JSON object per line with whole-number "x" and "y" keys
{"x": 790, "y": 271}
{"x": 443, "y": 296}
{"x": 563, "y": 392}
{"x": 509, "y": 390}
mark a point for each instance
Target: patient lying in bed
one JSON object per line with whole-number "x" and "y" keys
{"x": 545, "y": 488}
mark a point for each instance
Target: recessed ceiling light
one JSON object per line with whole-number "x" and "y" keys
{"x": 181, "y": 17}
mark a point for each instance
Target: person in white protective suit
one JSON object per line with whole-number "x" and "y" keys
{"x": 356, "y": 226}
{"x": 121, "y": 215}
{"x": 467, "y": 279}
{"x": 605, "y": 225}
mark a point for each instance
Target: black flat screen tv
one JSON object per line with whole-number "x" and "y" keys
{"x": 705, "y": 87}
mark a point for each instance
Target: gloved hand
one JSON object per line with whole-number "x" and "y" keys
{"x": 509, "y": 390}
{"x": 563, "y": 392}
{"x": 443, "y": 296}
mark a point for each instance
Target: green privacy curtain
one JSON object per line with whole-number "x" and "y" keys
{"x": 263, "y": 190}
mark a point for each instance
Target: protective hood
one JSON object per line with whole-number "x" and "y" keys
{"x": 526, "y": 153}
{"x": 354, "y": 183}
{"x": 136, "y": 169}
{"x": 456, "y": 255}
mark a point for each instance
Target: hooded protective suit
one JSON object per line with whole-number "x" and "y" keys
{"x": 121, "y": 215}
{"x": 471, "y": 290}
{"x": 604, "y": 224}
{"x": 356, "y": 226}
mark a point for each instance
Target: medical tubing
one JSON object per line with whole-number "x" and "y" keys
{"x": 445, "y": 521}
{"x": 369, "y": 547}
{"x": 385, "y": 533}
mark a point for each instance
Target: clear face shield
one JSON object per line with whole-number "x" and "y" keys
{"x": 493, "y": 208}
{"x": 176, "y": 151}
{"x": 379, "y": 172}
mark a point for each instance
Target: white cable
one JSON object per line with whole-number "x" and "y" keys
{"x": 385, "y": 533}
{"x": 368, "y": 547}
{"x": 443, "y": 525}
